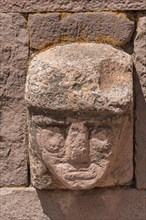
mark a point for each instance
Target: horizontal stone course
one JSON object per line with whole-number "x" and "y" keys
{"x": 70, "y": 5}
{"x": 109, "y": 204}
{"x": 14, "y": 54}
{"x": 52, "y": 28}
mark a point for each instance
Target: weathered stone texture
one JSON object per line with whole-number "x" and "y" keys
{"x": 81, "y": 76}
{"x": 116, "y": 204}
{"x": 14, "y": 55}
{"x": 79, "y": 95}
{"x": 140, "y": 53}
{"x": 48, "y": 29}
{"x": 140, "y": 106}
{"x": 70, "y": 5}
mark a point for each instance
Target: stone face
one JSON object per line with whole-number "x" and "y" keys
{"x": 70, "y": 5}
{"x": 66, "y": 205}
{"x": 140, "y": 106}
{"x": 80, "y": 99}
{"x": 14, "y": 54}
{"x": 48, "y": 29}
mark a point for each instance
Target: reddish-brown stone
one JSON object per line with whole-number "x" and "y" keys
{"x": 140, "y": 53}
{"x": 140, "y": 105}
{"x": 70, "y": 5}
{"x": 52, "y": 28}
{"x": 14, "y": 55}
{"x": 85, "y": 138}
{"x": 109, "y": 204}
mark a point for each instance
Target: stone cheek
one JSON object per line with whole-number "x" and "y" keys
{"x": 78, "y": 143}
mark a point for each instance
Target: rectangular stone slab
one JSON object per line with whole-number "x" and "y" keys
{"x": 113, "y": 204}
{"x": 70, "y": 5}
{"x": 110, "y": 27}
{"x": 13, "y": 112}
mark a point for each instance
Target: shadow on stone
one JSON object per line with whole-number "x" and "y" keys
{"x": 140, "y": 136}
{"x": 50, "y": 205}
{"x": 80, "y": 205}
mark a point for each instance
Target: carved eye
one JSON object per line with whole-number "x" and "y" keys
{"x": 102, "y": 133}
{"x": 51, "y": 139}
{"x": 100, "y": 141}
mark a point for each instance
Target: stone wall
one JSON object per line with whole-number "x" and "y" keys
{"x": 30, "y": 27}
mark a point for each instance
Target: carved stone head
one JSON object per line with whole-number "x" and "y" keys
{"x": 79, "y": 98}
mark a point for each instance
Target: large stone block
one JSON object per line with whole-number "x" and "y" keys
{"x": 140, "y": 106}
{"x": 80, "y": 102}
{"x": 70, "y": 5}
{"x": 14, "y": 56}
{"x": 48, "y": 29}
{"x": 109, "y": 204}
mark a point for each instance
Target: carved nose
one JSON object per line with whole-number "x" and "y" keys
{"x": 77, "y": 146}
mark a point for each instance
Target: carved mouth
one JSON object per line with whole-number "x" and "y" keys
{"x": 81, "y": 173}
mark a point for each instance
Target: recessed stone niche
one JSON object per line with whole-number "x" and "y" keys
{"x": 80, "y": 105}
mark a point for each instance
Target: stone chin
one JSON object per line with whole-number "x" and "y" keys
{"x": 80, "y": 177}
{"x": 83, "y": 178}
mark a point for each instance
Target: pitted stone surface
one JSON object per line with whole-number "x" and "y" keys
{"x": 78, "y": 77}
{"x": 140, "y": 53}
{"x": 51, "y": 28}
{"x": 70, "y": 5}
{"x": 14, "y": 54}
{"x": 80, "y": 99}
{"x": 140, "y": 106}
{"x": 96, "y": 204}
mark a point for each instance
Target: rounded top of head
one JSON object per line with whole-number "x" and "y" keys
{"x": 80, "y": 77}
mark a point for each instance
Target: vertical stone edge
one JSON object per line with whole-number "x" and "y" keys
{"x": 140, "y": 103}
{"x": 14, "y": 52}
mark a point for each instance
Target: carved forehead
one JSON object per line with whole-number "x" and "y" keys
{"x": 87, "y": 76}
